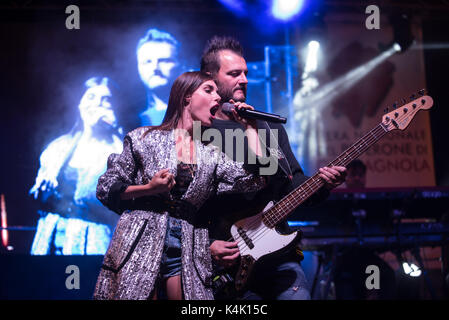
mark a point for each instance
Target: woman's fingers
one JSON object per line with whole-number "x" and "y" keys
{"x": 162, "y": 173}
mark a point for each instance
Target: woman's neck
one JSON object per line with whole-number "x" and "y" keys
{"x": 185, "y": 124}
{"x": 184, "y": 142}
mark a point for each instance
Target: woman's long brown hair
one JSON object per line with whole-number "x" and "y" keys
{"x": 183, "y": 87}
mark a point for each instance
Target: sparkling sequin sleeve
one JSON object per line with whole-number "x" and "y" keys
{"x": 120, "y": 173}
{"x": 234, "y": 177}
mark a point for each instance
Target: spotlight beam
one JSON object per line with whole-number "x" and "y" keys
{"x": 309, "y": 104}
{"x": 321, "y": 98}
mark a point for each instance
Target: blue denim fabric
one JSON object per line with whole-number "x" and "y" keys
{"x": 171, "y": 257}
{"x": 278, "y": 280}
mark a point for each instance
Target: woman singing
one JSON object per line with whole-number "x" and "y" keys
{"x": 157, "y": 184}
{"x": 72, "y": 220}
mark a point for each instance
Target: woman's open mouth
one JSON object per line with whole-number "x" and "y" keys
{"x": 214, "y": 109}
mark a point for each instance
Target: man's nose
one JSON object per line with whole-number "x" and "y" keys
{"x": 105, "y": 103}
{"x": 243, "y": 79}
{"x": 154, "y": 65}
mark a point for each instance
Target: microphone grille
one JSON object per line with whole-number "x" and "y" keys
{"x": 227, "y": 107}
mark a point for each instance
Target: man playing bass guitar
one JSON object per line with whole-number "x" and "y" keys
{"x": 278, "y": 276}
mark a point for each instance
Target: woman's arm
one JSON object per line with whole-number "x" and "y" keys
{"x": 161, "y": 182}
{"x": 118, "y": 184}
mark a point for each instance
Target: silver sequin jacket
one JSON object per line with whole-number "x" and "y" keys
{"x": 131, "y": 264}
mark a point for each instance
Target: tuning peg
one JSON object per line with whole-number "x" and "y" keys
{"x": 403, "y": 101}
{"x": 412, "y": 97}
{"x": 422, "y": 92}
{"x": 386, "y": 110}
{"x": 395, "y": 105}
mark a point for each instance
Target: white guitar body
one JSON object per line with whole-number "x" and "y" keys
{"x": 256, "y": 240}
{"x": 265, "y": 240}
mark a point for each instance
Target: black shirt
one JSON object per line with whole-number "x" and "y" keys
{"x": 221, "y": 211}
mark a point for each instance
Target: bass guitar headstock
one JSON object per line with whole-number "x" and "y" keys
{"x": 401, "y": 117}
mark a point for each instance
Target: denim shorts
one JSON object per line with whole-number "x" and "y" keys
{"x": 171, "y": 256}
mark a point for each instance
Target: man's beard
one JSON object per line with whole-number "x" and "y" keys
{"x": 227, "y": 94}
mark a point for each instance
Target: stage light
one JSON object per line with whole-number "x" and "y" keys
{"x": 286, "y": 9}
{"x": 312, "y": 56}
{"x": 302, "y": 223}
{"x": 235, "y": 6}
{"x": 396, "y": 47}
{"x": 411, "y": 269}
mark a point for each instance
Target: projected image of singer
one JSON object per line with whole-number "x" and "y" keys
{"x": 276, "y": 278}
{"x": 157, "y": 60}
{"x": 72, "y": 220}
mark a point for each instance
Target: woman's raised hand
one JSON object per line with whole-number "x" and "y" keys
{"x": 161, "y": 182}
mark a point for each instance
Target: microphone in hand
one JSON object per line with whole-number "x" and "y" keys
{"x": 252, "y": 114}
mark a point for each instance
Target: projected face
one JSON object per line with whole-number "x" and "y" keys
{"x": 95, "y": 105}
{"x": 156, "y": 61}
{"x": 231, "y": 78}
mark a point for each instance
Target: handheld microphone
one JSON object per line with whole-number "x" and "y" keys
{"x": 109, "y": 126}
{"x": 252, "y": 114}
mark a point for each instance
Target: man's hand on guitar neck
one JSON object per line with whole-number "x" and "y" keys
{"x": 333, "y": 177}
{"x": 224, "y": 252}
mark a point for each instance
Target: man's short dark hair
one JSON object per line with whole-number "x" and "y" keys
{"x": 210, "y": 60}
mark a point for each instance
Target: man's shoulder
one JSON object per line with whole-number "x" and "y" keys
{"x": 276, "y": 126}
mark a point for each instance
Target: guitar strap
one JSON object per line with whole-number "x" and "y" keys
{"x": 282, "y": 159}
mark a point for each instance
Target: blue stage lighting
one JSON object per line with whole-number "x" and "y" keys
{"x": 235, "y": 6}
{"x": 286, "y": 9}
